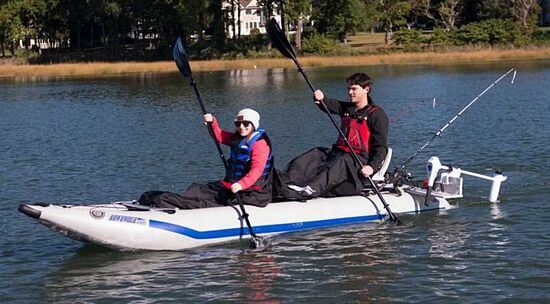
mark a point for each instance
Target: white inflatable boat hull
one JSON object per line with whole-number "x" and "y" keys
{"x": 120, "y": 225}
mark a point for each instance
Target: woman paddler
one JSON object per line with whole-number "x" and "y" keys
{"x": 250, "y": 170}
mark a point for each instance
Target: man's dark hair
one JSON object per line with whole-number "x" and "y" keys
{"x": 360, "y": 79}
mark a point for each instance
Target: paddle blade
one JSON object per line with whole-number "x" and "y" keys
{"x": 179, "y": 53}
{"x": 279, "y": 40}
{"x": 259, "y": 244}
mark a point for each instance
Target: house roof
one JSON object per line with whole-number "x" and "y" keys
{"x": 244, "y": 3}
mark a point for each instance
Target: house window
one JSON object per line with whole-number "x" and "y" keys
{"x": 248, "y": 11}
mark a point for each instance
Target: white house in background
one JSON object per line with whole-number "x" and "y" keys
{"x": 38, "y": 44}
{"x": 252, "y": 17}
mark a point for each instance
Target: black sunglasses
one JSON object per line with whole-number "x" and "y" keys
{"x": 243, "y": 122}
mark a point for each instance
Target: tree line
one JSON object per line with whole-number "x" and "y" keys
{"x": 122, "y": 29}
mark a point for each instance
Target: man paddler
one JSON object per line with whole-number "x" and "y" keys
{"x": 332, "y": 171}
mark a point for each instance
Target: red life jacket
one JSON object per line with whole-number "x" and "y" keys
{"x": 357, "y": 132}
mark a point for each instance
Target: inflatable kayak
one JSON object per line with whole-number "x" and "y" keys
{"x": 124, "y": 225}
{"x": 129, "y": 226}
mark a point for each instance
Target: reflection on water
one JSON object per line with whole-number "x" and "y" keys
{"x": 252, "y": 79}
{"x": 259, "y": 272}
{"x": 356, "y": 264}
{"x": 447, "y": 242}
{"x": 200, "y": 275}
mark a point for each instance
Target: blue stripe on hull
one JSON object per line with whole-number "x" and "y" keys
{"x": 213, "y": 234}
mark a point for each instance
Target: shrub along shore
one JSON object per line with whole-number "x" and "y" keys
{"x": 99, "y": 69}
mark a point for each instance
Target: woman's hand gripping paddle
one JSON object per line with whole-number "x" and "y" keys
{"x": 181, "y": 58}
{"x": 279, "y": 40}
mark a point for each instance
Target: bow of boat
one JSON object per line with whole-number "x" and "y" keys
{"x": 30, "y": 211}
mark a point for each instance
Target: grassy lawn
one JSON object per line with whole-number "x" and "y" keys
{"x": 366, "y": 38}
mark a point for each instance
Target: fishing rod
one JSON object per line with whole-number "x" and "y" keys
{"x": 440, "y": 131}
{"x": 279, "y": 40}
{"x": 181, "y": 58}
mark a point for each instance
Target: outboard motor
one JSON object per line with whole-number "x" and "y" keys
{"x": 450, "y": 181}
{"x": 433, "y": 166}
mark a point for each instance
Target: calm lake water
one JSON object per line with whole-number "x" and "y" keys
{"x": 86, "y": 141}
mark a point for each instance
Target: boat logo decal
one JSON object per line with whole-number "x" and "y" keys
{"x": 127, "y": 219}
{"x": 97, "y": 214}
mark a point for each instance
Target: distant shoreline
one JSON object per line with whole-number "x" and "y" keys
{"x": 105, "y": 69}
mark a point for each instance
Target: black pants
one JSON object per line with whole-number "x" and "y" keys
{"x": 329, "y": 172}
{"x": 212, "y": 194}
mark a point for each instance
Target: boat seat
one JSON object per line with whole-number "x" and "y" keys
{"x": 379, "y": 176}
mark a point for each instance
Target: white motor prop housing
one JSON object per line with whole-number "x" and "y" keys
{"x": 450, "y": 181}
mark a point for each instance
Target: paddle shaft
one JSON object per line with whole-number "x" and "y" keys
{"x": 193, "y": 83}
{"x": 209, "y": 126}
{"x": 392, "y": 216}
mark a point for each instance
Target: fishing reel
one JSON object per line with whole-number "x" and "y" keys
{"x": 400, "y": 177}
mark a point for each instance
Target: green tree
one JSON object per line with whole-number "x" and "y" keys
{"x": 494, "y": 9}
{"x": 391, "y": 14}
{"x": 18, "y": 21}
{"x": 158, "y": 22}
{"x": 30, "y": 13}
{"x": 526, "y": 14}
{"x": 409, "y": 39}
{"x": 491, "y": 31}
{"x": 195, "y": 17}
{"x": 444, "y": 13}
{"x": 297, "y": 10}
{"x": 424, "y": 12}
{"x": 442, "y": 37}
{"x": 54, "y": 24}
{"x": 340, "y": 17}
{"x": 450, "y": 10}
{"x": 216, "y": 28}
{"x": 319, "y": 44}
{"x": 10, "y": 25}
